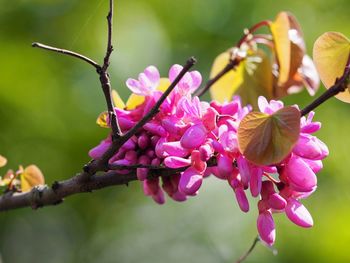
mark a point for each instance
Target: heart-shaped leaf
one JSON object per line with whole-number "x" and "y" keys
{"x": 267, "y": 139}
{"x": 3, "y": 161}
{"x": 331, "y": 55}
{"x": 31, "y": 177}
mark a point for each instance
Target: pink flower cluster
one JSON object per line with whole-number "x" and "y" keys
{"x": 201, "y": 138}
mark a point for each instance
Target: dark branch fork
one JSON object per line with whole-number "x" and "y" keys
{"x": 89, "y": 180}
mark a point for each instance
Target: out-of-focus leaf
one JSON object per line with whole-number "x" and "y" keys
{"x": 257, "y": 79}
{"x": 102, "y": 119}
{"x": 267, "y": 139}
{"x": 3, "y": 161}
{"x": 331, "y": 53}
{"x": 227, "y": 85}
{"x": 136, "y": 100}
{"x": 30, "y": 177}
{"x": 289, "y": 48}
{"x": 117, "y": 100}
{"x": 251, "y": 78}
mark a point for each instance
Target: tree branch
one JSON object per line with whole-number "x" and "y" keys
{"x": 340, "y": 86}
{"x": 43, "y": 195}
{"x": 230, "y": 66}
{"x": 247, "y": 253}
{"x": 68, "y": 53}
{"x": 101, "y": 70}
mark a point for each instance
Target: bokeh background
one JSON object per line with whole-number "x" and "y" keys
{"x": 48, "y": 107}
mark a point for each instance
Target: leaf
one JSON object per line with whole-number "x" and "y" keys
{"x": 267, "y": 139}
{"x": 102, "y": 120}
{"x": 227, "y": 85}
{"x": 3, "y": 161}
{"x": 117, "y": 100}
{"x": 289, "y": 45}
{"x": 251, "y": 78}
{"x": 257, "y": 79}
{"x": 31, "y": 177}
{"x": 331, "y": 54}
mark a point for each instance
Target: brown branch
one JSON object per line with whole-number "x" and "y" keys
{"x": 340, "y": 86}
{"x": 44, "y": 196}
{"x": 68, "y": 53}
{"x": 230, "y": 66}
{"x": 247, "y": 253}
{"x": 101, "y": 70}
{"x": 105, "y": 80}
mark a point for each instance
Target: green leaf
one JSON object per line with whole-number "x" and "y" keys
{"x": 331, "y": 54}
{"x": 250, "y": 79}
{"x": 257, "y": 79}
{"x": 267, "y": 139}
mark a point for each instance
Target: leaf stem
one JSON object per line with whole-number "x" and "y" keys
{"x": 249, "y": 251}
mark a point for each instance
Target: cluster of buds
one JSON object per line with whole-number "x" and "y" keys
{"x": 196, "y": 139}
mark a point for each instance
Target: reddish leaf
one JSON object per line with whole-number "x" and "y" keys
{"x": 267, "y": 139}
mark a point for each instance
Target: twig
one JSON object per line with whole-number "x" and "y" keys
{"x": 339, "y": 86}
{"x": 68, "y": 53}
{"x": 247, "y": 253}
{"x": 230, "y": 66}
{"x": 232, "y": 62}
{"x": 101, "y": 70}
{"x": 102, "y": 163}
{"x": 105, "y": 80}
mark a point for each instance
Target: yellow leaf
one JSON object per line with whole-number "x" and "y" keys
{"x": 31, "y": 177}
{"x": 289, "y": 45}
{"x": 136, "y": 100}
{"x": 3, "y": 161}
{"x": 267, "y": 139}
{"x": 102, "y": 120}
{"x": 227, "y": 85}
{"x": 117, "y": 100}
{"x": 331, "y": 53}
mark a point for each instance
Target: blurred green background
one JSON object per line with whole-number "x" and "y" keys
{"x": 48, "y": 107}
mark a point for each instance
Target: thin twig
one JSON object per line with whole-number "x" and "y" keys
{"x": 101, "y": 70}
{"x": 339, "y": 86}
{"x": 230, "y": 66}
{"x": 247, "y": 253}
{"x": 68, "y": 53}
{"x": 105, "y": 80}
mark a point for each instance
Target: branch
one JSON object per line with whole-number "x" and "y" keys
{"x": 230, "y": 66}
{"x": 340, "y": 86}
{"x": 247, "y": 253}
{"x": 105, "y": 80}
{"x": 68, "y": 53}
{"x": 43, "y": 195}
{"x": 233, "y": 62}
{"x": 101, "y": 70}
